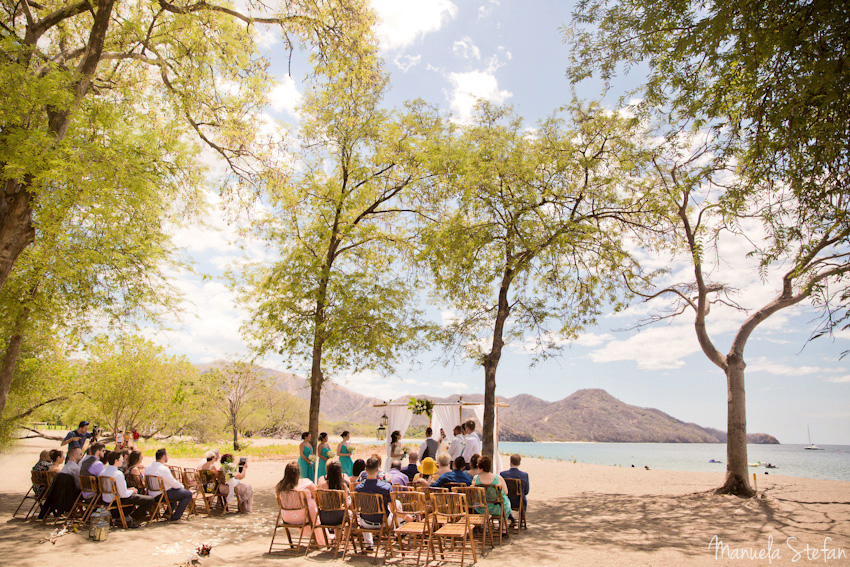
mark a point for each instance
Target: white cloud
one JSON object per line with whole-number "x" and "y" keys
{"x": 767, "y": 366}
{"x": 401, "y": 22}
{"x": 487, "y": 9}
{"x": 470, "y": 87}
{"x": 466, "y": 48}
{"x": 285, "y": 96}
{"x": 592, "y": 339}
{"x": 655, "y": 348}
{"x": 456, "y": 386}
{"x": 840, "y": 379}
{"x": 406, "y": 62}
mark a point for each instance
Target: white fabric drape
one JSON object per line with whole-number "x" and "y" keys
{"x": 398, "y": 419}
{"x": 445, "y": 416}
{"x": 479, "y": 415}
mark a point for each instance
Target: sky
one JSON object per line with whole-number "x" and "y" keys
{"x": 451, "y": 54}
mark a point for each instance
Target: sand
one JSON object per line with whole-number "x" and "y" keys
{"x": 579, "y": 514}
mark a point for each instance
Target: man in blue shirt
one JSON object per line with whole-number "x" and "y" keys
{"x": 455, "y": 475}
{"x": 412, "y": 468}
{"x": 372, "y": 485}
{"x": 78, "y": 438}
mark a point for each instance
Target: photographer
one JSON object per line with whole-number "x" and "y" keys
{"x": 79, "y": 437}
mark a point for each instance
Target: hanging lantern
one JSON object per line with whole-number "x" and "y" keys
{"x": 384, "y": 420}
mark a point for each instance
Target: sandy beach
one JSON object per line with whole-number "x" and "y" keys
{"x": 579, "y": 514}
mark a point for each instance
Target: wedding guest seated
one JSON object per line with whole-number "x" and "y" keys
{"x": 238, "y": 487}
{"x": 174, "y": 490}
{"x": 64, "y": 489}
{"x": 134, "y": 463}
{"x": 444, "y": 464}
{"x": 427, "y": 472}
{"x": 129, "y": 496}
{"x": 72, "y": 467}
{"x": 44, "y": 461}
{"x": 56, "y": 460}
{"x": 488, "y": 478}
{"x": 374, "y": 485}
{"x": 209, "y": 464}
{"x": 92, "y": 464}
{"x": 395, "y": 476}
{"x": 381, "y": 474}
{"x": 287, "y": 491}
{"x": 334, "y": 479}
{"x": 514, "y": 472}
{"x": 456, "y": 475}
{"x": 357, "y": 468}
{"x": 412, "y": 468}
{"x": 125, "y": 453}
{"x": 473, "y": 466}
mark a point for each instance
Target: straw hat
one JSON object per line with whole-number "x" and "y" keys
{"x": 428, "y": 466}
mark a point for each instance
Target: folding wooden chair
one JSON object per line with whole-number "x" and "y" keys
{"x": 494, "y": 499}
{"x": 36, "y": 492}
{"x": 515, "y": 492}
{"x": 155, "y": 484}
{"x": 212, "y": 491}
{"x": 479, "y": 515}
{"x": 331, "y": 502}
{"x": 176, "y": 471}
{"x": 223, "y": 491}
{"x": 364, "y": 503}
{"x": 291, "y": 501}
{"x": 452, "y": 485}
{"x": 428, "y": 491}
{"x": 137, "y": 481}
{"x": 83, "y": 507}
{"x": 403, "y": 488}
{"x": 193, "y": 485}
{"x": 450, "y": 524}
{"x": 108, "y": 487}
{"x": 418, "y": 529}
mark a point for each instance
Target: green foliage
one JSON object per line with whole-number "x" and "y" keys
{"x": 540, "y": 217}
{"x": 131, "y": 383}
{"x": 421, "y": 406}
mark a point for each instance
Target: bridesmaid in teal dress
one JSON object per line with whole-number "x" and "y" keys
{"x": 304, "y": 452}
{"x": 322, "y": 452}
{"x": 344, "y": 454}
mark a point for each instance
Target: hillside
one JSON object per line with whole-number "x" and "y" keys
{"x": 586, "y": 415}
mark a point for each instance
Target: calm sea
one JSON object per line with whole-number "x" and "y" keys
{"x": 833, "y": 463}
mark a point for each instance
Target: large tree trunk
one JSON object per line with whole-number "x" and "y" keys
{"x": 16, "y": 228}
{"x": 737, "y": 472}
{"x": 7, "y": 371}
{"x": 491, "y": 363}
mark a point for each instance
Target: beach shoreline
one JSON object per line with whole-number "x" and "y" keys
{"x": 578, "y": 514}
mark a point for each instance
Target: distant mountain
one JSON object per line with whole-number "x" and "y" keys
{"x": 586, "y": 415}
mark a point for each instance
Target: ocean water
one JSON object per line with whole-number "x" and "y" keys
{"x": 833, "y": 463}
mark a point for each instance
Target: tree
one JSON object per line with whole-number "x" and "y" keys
{"x": 771, "y": 84}
{"x": 68, "y": 68}
{"x": 234, "y": 390}
{"x": 532, "y": 229}
{"x": 131, "y": 383}
{"x": 334, "y": 298}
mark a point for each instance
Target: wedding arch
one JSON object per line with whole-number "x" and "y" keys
{"x": 445, "y": 415}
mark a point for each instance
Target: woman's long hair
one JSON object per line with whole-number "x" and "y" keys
{"x": 395, "y": 436}
{"x": 291, "y": 475}
{"x": 134, "y": 459}
{"x": 333, "y": 475}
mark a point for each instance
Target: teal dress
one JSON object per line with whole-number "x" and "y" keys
{"x": 345, "y": 460}
{"x": 306, "y": 466}
{"x": 323, "y": 462}
{"x": 492, "y": 507}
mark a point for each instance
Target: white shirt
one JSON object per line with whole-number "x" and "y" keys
{"x": 456, "y": 448}
{"x": 473, "y": 446}
{"x": 120, "y": 483}
{"x": 163, "y": 472}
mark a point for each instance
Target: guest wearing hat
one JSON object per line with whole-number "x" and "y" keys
{"x": 427, "y": 472}
{"x": 210, "y": 464}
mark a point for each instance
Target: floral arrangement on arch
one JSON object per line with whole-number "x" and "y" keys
{"x": 421, "y": 406}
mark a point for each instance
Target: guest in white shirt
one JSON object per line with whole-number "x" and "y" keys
{"x": 456, "y": 447}
{"x": 174, "y": 490}
{"x": 129, "y": 496}
{"x": 72, "y": 467}
{"x": 472, "y": 442}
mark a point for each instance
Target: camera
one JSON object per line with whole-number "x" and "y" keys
{"x": 96, "y": 431}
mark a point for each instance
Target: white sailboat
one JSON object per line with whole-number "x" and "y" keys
{"x": 811, "y": 446}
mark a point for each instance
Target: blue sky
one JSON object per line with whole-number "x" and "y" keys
{"x": 450, "y": 54}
